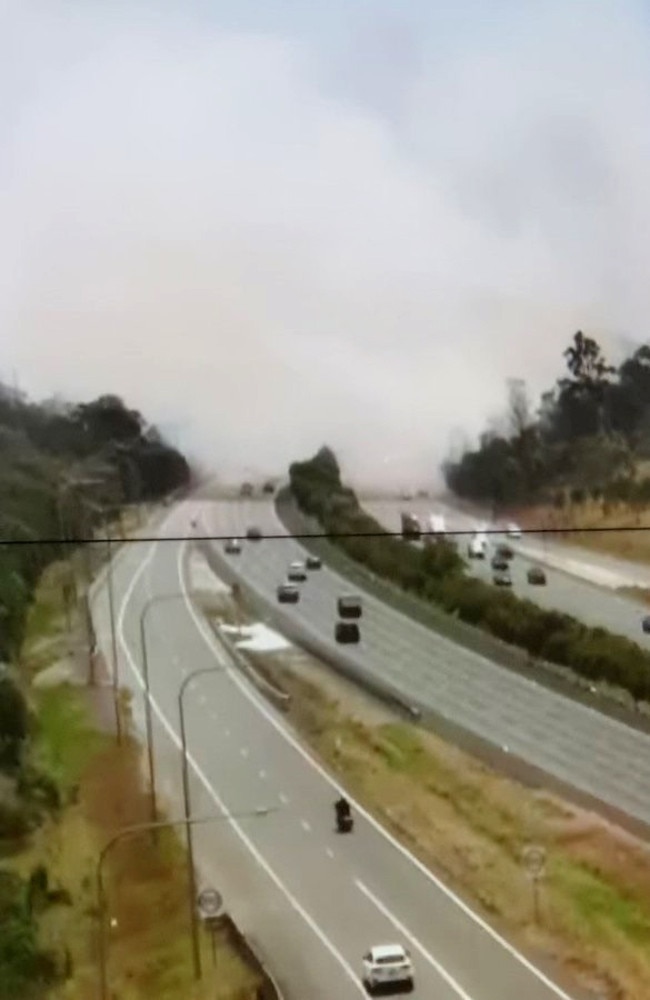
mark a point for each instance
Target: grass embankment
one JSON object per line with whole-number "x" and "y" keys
{"x": 623, "y": 530}
{"x": 146, "y": 889}
{"x": 471, "y": 825}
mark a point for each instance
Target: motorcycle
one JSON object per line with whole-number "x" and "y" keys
{"x": 344, "y": 820}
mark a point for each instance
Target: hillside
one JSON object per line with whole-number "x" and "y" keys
{"x": 64, "y": 469}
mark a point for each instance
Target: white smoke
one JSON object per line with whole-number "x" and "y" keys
{"x": 270, "y": 240}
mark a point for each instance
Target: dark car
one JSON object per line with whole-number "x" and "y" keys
{"x": 233, "y": 546}
{"x": 268, "y": 487}
{"x": 499, "y": 563}
{"x": 536, "y": 576}
{"x": 505, "y": 551}
{"x": 254, "y": 534}
{"x": 288, "y": 593}
{"x": 502, "y": 578}
{"x": 349, "y": 606}
{"x": 645, "y": 624}
{"x": 313, "y": 562}
{"x": 297, "y": 572}
{"x": 346, "y": 632}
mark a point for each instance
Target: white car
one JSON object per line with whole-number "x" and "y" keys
{"x": 386, "y": 964}
{"x": 513, "y": 530}
{"x": 297, "y": 572}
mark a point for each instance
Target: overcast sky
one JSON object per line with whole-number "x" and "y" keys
{"x": 276, "y": 224}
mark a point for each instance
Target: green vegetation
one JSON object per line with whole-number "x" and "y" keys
{"x": 436, "y": 574}
{"x": 589, "y": 439}
{"x": 65, "y": 470}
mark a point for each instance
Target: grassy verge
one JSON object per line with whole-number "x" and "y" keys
{"x": 631, "y": 541}
{"x": 101, "y": 791}
{"x": 471, "y": 825}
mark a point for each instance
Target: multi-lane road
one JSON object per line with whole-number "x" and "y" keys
{"x": 579, "y": 746}
{"x": 311, "y": 900}
{"x": 576, "y": 593}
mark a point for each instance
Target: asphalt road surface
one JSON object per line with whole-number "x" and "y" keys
{"x": 577, "y": 745}
{"x": 311, "y": 900}
{"x": 593, "y": 604}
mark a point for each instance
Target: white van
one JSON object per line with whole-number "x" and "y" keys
{"x": 477, "y": 547}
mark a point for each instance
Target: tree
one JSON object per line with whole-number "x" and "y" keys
{"x": 519, "y": 415}
{"x": 13, "y": 723}
{"x": 582, "y": 397}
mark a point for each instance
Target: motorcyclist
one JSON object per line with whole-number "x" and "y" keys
{"x": 342, "y": 807}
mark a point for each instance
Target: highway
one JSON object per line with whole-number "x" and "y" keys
{"x": 311, "y": 900}
{"x": 593, "y": 604}
{"x": 581, "y": 747}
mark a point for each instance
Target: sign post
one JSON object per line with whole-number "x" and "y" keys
{"x": 210, "y": 906}
{"x": 236, "y": 596}
{"x": 534, "y": 859}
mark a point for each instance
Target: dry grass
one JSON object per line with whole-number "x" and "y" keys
{"x": 625, "y": 544}
{"x": 146, "y": 887}
{"x": 471, "y": 825}
{"x": 146, "y": 919}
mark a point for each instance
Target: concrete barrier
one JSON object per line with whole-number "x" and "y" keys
{"x": 269, "y": 989}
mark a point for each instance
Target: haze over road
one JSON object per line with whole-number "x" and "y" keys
{"x": 312, "y": 900}
{"x": 575, "y": 744}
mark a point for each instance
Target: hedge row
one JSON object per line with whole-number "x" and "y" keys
{"x": 437, "y": 573}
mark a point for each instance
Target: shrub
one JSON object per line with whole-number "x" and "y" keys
{"x": 14, "y": 721}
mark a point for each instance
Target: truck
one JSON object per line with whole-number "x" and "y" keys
{"x": 437, "y": 525}
{"x": 410, "y": 526}
{"x": 477, "y": 546}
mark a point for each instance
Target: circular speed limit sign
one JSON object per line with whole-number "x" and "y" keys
{"x": 209, "y": 902}
{"x": 534, "y": 858}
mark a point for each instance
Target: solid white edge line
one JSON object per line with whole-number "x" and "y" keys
{"x": 214, "y": 795}
{"x": 413, "y": 941}
{"x": 478, "y": 920}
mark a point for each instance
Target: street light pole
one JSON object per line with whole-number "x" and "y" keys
{"x": 115, "y": 673}
{"x": 130, "y": 831}
{"x": 111, "y": 606}
{"x": 155, "y": 599}
{"x": 191, "y": 881}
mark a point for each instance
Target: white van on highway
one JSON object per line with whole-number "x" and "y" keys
{"x": 477, "y": 547}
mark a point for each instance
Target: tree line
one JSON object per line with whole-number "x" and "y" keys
{"x": 587, "y": 438}
{"x": 437, "y": 573}
{"x": 64, "y": 469}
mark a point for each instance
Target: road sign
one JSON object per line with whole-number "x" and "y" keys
{"x": 534, "y": 858}
{"x": 210, "y": 903}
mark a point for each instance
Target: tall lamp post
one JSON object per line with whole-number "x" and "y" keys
{"x": 65, "y": 486}
{"x": 115, "y": 676}
{"x": 130, "y": 831}
{"x": 155, "y": 599}
{"x": 191, "y": 881}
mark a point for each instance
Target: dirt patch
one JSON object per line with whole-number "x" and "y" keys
{"x": 471, "y": 826}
